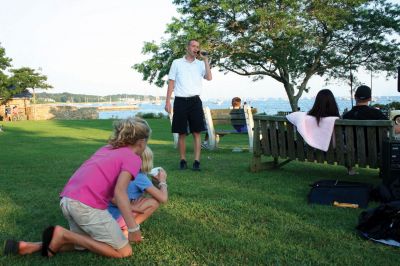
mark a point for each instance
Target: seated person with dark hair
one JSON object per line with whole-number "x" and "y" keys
{"x": 236, "y": 104}
{"x": 362, "y": 111}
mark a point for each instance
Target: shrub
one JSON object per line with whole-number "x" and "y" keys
{"x": 151, "y": 115}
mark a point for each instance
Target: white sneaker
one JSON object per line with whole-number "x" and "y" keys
{"x": 204, "y": 145}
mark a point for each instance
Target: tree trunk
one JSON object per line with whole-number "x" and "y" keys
{"x": 293, "y": 99}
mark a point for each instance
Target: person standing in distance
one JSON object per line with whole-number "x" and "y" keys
{"x": 185, "y": 80}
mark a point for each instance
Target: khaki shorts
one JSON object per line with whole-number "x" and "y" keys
{"x": 98, "y": 224}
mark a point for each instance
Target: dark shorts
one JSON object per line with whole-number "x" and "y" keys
{"x": 188, "y": 115}
{"x": 241, "y": 128}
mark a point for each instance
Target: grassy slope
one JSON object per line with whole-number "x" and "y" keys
{"x": 222, "y": 215}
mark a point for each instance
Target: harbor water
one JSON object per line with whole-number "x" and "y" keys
{"x": 269, "y": 106}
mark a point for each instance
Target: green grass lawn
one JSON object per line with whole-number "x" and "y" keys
{"x": 223, "y": 215}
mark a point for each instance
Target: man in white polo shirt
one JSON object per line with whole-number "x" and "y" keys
{"x": 185, "y": 80}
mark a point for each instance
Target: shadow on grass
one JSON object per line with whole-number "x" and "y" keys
{"x": 101, "y": 124}
{"x": 221, "y": 215}
{"x": 35, "y": 167}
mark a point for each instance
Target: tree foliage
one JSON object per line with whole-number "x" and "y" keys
{"x": 390, "y": 106}
{"x": 18, "y": 80}
{"x": 288, "y": 40}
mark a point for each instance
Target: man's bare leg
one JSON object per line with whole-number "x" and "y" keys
{"x": 197, "y": 145}
{"x": 182, "y": 146}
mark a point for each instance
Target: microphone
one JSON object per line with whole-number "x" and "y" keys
{"x": 203, "y": 53}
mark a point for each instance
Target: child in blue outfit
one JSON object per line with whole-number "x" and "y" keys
{"x": 143, "y": 206}
{"x": 237, "y": 104}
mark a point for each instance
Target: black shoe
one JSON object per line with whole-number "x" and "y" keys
{"x": 196, "y": 166}
{"x": 182, "y": 165}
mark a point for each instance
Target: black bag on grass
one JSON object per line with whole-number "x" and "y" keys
{"x": 389, "y": 190}
{"x": 326, "y": 192}
{"x": 381, "y": 224}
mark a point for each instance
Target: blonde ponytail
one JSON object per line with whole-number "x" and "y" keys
{"x": 129, "y": 131}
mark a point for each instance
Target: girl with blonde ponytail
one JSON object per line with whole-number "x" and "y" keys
{"x": 87, "y": 194}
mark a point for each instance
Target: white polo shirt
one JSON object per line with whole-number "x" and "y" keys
{"x": 188, "y": 77}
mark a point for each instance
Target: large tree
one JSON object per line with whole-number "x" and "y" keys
{"x": 288, "y": 40}
{"x": 4, "y": 63}
{"x": 19, "y": 79}
{"x": 25, "y": 77}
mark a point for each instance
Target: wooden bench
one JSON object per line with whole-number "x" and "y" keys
{"x": 358, "y": 142}
{"x": 234, "y": 117}
{"x": 283, "y": 113}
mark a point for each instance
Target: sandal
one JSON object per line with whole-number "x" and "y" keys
{"x": 11, "y": 247}
{"x": 47, "y": 236}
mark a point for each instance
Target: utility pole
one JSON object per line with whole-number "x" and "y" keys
{"x": 351, "y": 86}
{"x": 34, "y": 104}
{"x": 371, "y": 83}
{"x": 351, "y": 76}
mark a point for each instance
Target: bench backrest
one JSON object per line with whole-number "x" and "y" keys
{"x": 357, "y": 142}
{"x": 229, "y": 116}
{"x": 283, "y": 113}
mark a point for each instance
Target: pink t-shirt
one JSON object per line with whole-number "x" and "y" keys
{"x": 94, "y": 182}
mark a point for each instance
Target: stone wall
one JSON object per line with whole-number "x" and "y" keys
{"x": 22, "y": 103}
{"x": 45, "y": 112}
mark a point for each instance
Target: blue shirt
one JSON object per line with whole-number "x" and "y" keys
{"x": 136, "y": 189}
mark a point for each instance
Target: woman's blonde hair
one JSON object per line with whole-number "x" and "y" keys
{"x": 129, "y": 131}
{"x": 147, "y": 160}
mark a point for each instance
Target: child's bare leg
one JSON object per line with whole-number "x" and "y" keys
{"x": 143, "y": 208}
{"x": 125, "y": 232}
{"x": 63, "y": 237}
{"x": 147, "y": 205}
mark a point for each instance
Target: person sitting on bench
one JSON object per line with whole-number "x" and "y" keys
{"x": 237, "y": 104}
{"x": 316, "y": 126}
{"x": 362, "y": 111}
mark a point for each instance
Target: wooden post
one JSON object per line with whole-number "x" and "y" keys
{"x": 174, "y": 135}
{"x": 250, "y": 125}
{"x": 212, "y": 142}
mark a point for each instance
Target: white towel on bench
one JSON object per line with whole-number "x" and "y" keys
{"x": 317, "y": 136}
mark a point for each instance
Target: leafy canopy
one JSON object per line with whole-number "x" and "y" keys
{"x": 18, "y": 80}
{"x": 288, "y": 40}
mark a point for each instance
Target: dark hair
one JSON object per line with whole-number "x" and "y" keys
{"x": 324, "y": 105}
{"x": 363, "y": 93}
{"x": 236, "y": 101}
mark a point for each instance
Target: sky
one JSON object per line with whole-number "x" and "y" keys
{"x": 89, "y": 46}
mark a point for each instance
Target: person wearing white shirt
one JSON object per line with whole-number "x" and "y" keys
{"x": 185, "y": 80}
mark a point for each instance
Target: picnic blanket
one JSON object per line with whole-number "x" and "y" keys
{"x": 317, "y": 136}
